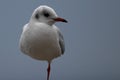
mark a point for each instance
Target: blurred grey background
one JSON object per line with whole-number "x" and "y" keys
{"x": 92, "y": 39}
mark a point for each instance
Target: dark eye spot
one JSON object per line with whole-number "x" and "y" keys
{"x": 46, "y": 14}
{"x": 37, "y": 16}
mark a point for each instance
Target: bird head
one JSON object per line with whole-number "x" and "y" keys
{"x": 45, "y": 14}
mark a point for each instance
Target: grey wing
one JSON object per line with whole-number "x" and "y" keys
{"x": 61, "y": 41}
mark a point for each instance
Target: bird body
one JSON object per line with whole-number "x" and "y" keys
{"x": 40, "y": 41}
{"x": 40, "y": 38}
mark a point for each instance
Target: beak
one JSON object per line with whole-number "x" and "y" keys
{"x": 58, "y": 19}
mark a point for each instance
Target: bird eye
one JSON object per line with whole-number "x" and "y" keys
{"x": 37, "y": 16}
{"x": 46, "y": 14}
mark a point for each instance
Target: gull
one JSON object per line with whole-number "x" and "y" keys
{"x": 40, "y": 38}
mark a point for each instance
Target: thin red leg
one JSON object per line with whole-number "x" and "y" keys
{"x": 48, "y": 71}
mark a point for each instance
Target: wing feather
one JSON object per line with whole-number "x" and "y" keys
{"x": 61, "y": 40}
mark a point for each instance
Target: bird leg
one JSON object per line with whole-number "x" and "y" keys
{"x": 48, "y": 71}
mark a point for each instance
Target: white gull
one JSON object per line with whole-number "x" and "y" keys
{"x": 40, "y": 38}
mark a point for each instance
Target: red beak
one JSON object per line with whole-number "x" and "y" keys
{"x": 58, "y": 19}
